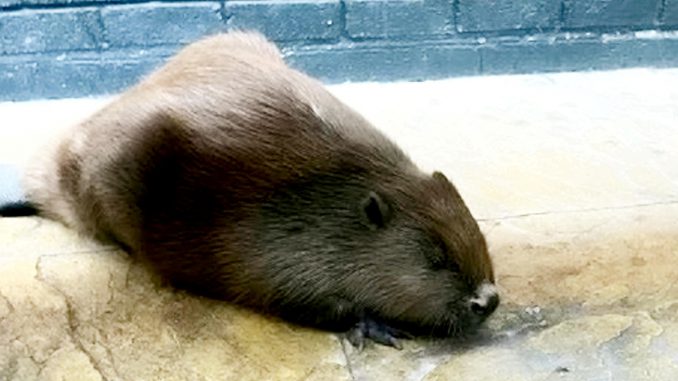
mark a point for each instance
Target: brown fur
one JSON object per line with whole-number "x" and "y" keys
{"x": 237, "y": 177}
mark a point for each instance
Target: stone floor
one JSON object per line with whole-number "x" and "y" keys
{"x": 574, "y": 178}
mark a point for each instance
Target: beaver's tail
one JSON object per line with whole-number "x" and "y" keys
{"x": 18, "y": 209}
{"x": 13, "y": 201}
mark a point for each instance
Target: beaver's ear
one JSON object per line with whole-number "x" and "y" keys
{"x": 374, "y": 211}
{"x": 440, "y": 177}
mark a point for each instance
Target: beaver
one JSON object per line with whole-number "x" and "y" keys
{"x": 235, "y": 176}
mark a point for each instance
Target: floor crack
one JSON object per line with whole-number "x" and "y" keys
{"x": 73, "y": 324}
{"x": 574, "y": 211}
{"x": 342, "y": 342}
{"x": 71, "y": 319}
{"x": 10, "y": 306}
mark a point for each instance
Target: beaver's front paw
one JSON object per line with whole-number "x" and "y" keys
{"x": 377, "y": 332}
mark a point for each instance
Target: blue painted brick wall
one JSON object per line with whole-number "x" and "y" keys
{"x": 398, "y": 18}
{"x": 671, "y": 12}
{"x": 28, "y": 31}
{"x": 160, "y": 23}
{"x": 622, "y": 13}
{"x": 385, "y": 63}
{"x": 493, "y": 15}
{"x": 287, "y": 20}
{"x": 71, "y": 48}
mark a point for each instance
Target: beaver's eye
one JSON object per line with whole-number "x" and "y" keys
{"x": 453, "y": 266}
{"x": 437, "y": 256}
{"x": 437, "y": 262}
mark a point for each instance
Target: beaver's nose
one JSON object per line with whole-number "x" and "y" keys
{"x": 485, "y": 300}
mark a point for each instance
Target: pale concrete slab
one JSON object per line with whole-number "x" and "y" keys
{"x": 573, "y": 176}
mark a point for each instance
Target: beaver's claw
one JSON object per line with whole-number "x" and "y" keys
{"x": 377, "y": 332}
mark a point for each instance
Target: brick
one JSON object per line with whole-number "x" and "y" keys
{"x": 497, "y": 15}
{"x": 671, "y": 12}
{"x": 579, "y": 55}
{"x": 542, "y": 56}
{"x": 74, "y": 75}
{"x": 398, "y": 18}
{"x": 387, "y": 62}
{"x": 30, "y": 31}
{"x": 611, "y": 13}
{"x": 160, "y": 23}
{"x": 287, "y": 20}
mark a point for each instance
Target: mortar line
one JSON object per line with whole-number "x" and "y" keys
{"x": 562, "y": 12}
{"x": 660, "y": 13}
{"x": 455, "y": 15}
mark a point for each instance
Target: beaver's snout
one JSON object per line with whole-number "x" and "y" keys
{"x": 485, "y": 300}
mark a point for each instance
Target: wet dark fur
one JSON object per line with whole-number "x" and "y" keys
{"x": 236, "y": 177}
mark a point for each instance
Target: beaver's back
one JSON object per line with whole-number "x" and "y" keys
{"x": 225, "y": 113}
